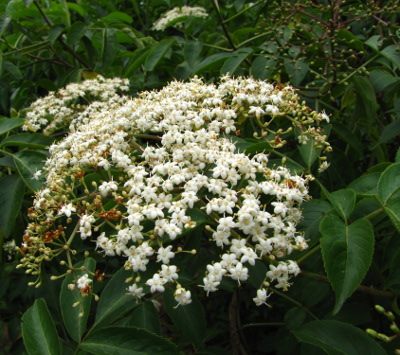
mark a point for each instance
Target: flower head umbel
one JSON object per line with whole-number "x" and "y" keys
{"x": 133, "y": 175}
{"x": 177, "y": 16}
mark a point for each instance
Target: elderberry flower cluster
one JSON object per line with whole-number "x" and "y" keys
{"x": 135, "y": 179}
{"x": 75, "y": 102}
{"x": 177, "y": 15}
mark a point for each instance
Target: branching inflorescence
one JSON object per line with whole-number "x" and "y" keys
{"x": 133, "y": 175}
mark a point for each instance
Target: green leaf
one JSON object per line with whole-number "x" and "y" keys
{"x": 55, "y": 32}
{"x": 135, "y": 62}
{"x": 366, "y": 184}
{"x": 374, "y": 42}
{"x": 189, "y": 319}
{"x": 38, "y": 330}
{"x": 390, "y": 131}
{"x": 347, "y": 253}
{"x": 232, "y": 64}
{"x": 28, "y": 162}
{"x": 343, "y": 201}
{"x": 381, "y": 79}
{"x": 13, "y": 70}
{"x": 211, "y": 62}
{"x": 77, "y": 8}
{"x": 1, "y": 63}
{"x": 348, "y": 99}
{"x": 28, "y": 140}
{"x": 392, "y": 53}
{"x": 192, "y": 52}
{"x": 257, "y": 69}
{"x": 297, "y": 71}
{"x": 12, "y": 190}
{"x": 109, "y": 47}
{"x": 75, "y": 318}
{"x": 389, "y": 182}
{"x": 115, "y": 300}
{"x": 313, "y": 212}
{"x": 118, "y": 16}
{"x": 308, "y": 152}
{"x": 76, "y": 32}
{"x": 348, "y": 137}
{"x": 7, "y": 124}
{"x": 257, "y": 273}
{"x": 145, "y": 316}
{"x": 366, "y": 93}
{"x": 392, "y": 209}
{"x": 259, "y": 147}
{"x": 157, "y": 53}
{"x": 127, "y": 341}
{"x": 351, "y": 39}
{"x": 4, "y": 22}
{"x": 338, "y": 338}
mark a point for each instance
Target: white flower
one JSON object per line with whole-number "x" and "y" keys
{"x": 83, "y": 282}
{"x": 182, "y": 296}
{"x": 253, "y": 208}
{"x": 177, "y": 13}
{"x": 67, "y": 210}
{"x": 86, "y": 226}
{"x": 324, "y": 116}
{"x": 165, "y": 254}
{"x": 136, "y": 291}
{"x": 37, "y": 175}
{"x": 210, "y": 284}
{"x": 324, "y": 165}
{"x": 168, "y": 272}
{"x": 239, "y": 272}
{"x": 106, "y": 187}
{"x": 156, "y": 283}
{"x": 258, "y": 111}
{"x": 262, "y": 297}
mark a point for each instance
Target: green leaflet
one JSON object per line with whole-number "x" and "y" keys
{"x": 75, "y": 318}
{"x": 38, "y": 330}
{"x": 127, "y": 341}
{"x": 337, "y": 338}
{"x": 347, "y": 252}
{"x": 189, "y": 319}
{"x": 11, "y": 195}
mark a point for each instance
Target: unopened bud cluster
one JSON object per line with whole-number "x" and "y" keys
{"x": 135, "y": 178}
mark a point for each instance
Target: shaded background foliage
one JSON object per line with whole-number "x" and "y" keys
{"x": 342, "y": 56}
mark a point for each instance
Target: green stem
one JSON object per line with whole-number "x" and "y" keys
{"x": 146, "y": 136}
{"x": 222, "y": 22}
{"x": 272, "y": 324}
{"x": 218, "y": 47}
{"x": 67, "y": 48}
{"x": 243, "y": 11}
{"x": 373, "y": 214}
{"x": 71, "y": 238}
{"x": 360, "y": 288}
{"x": 297, "y": 303}
{"x": 252, "y": 39}
{"x": 359, "y": 68}
{"x": 308, "y": 254}
{"x": 289, "y": 159}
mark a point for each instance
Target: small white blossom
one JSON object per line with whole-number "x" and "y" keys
{"x": 156, "y": 283}
{"x": 136, "y": 291}
{"x": 83, "y": 282}
{"x": 262, "y": 297}
{"x": 67, "y": 210}
{"x": 182, "y": 296}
